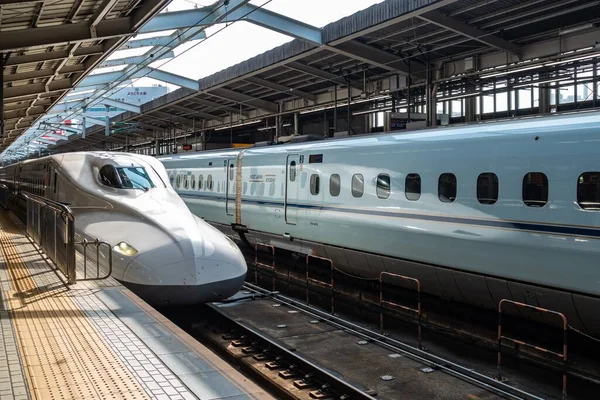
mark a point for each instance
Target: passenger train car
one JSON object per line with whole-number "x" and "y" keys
{"x": 477, "y": 213}
{"x": 161, "y": 250}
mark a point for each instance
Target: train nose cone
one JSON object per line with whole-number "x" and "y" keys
{"x": 181, "y": 273}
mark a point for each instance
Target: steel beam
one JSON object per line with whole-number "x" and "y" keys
{"x": 245, "y": 99}
{"x": 282, "y": 88}
{"x": 119, "y": 104}
{"x": 279, "y": 23}
{"x": 43, "y": 73}
{"x": 170, "y": 117}
{"x": 316, "y": 72}
{"x": 217, "y": 106}
{"x": 17, "y": 92}
{"x": 171, "y": 78}
{"x": 20, "y": 2}
{"x": 198, "y": 17}
{"x": 101, "y": 12}
{"x": 371, "y": 55}
{"x": 108, "y": 77}
{"x": 196, "y": 113}
{"x": 437, "y": 18}
{"x": 23, "y": 113}
{"x": 136, "y": 60}
{"x": 172, "y": 40}
{"x": 63, "y": 34}
{"x": 54, "y": 55}
{"x": 237, "y": 10}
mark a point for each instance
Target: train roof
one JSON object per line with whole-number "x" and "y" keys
{"x": 523, "y": 126}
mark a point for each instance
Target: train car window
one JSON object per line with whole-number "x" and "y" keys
{"x": 231, "y": 172}
{"x": 171, "y": 179}
{"x": 200, "y": 181}
{"x": 108, "y": 176}
{"x": 447, "y": 188}
{"x": 383, "y": 186}
{"x": 487, "y": 188}
{"x": 209, "y": 183}
{"x": 588, "y": 190}
{"x": 358, "y": 185}
{"x": 186, "y": 181}
{"x": 292, "y": 171}
{"x": 178, "y": 180}
{"x": 193, "y": 181}
{"x": 535, "y": 189}
{"x": 314, "y": 184}
{"x": 412, "y": 187}
{"x": 335, "y": 185}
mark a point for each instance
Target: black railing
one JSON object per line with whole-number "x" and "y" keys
{"x": 51, "y": 225}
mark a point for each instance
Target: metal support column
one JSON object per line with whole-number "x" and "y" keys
{"x": 470, "y": 109}
{"x": 408, "y": 82}
{"x": 544, "y": 95}
{"x": 278, "y": 123}
{"x": 335, "y": 99}
{"x": 296, "y": 124}
{"x": 349, "y": 115}
{"x": 428, "y": 95}
{"x": 83, "y": 123}
{"x": 107, "y": 121}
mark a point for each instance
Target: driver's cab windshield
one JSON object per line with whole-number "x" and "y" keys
{"x": 125, "y": 177}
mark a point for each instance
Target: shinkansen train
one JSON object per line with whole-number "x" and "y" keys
{"x": 161, "y": 250}
{"x": 477, "y": 213}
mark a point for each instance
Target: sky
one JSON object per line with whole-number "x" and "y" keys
{"x": 241, "y": 40}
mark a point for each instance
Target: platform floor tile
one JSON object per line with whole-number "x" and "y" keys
{"x": 95, "y": 339}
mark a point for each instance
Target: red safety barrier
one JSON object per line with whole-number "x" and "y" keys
{"x": 562, "y": 356}
{"x": 319, "y": 282}
{"x": 384, "y": 303}
{"x": 258, "y": 264}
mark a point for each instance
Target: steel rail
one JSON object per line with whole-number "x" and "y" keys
{"x": 343, "y": 388}
{"x": 447, "y": 366}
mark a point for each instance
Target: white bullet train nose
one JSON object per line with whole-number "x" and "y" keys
{"x": 187, "y": 272}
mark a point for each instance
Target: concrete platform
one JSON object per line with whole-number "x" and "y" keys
{"x": 95, "y": 339}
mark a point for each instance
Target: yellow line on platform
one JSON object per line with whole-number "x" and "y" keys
{"x": 63, "y": 355}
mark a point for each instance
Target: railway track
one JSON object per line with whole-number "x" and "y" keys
{"x": 277, "y": 366}
{"x": 427, "y": 359}
{"x": 284, "y": 370}
{"x": 361, "y": 298}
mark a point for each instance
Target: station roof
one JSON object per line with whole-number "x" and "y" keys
{"x": 49, "y": 46}
{"x": 389, "y": 38}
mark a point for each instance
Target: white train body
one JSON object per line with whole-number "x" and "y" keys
{"x": 162, "y": 251}
{"x": 463, "y": 245}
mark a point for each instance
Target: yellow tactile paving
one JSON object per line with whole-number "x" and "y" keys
{"x": 64, "y": 357}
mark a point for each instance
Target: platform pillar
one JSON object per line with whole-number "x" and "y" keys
{"x": 470, "y": 109}
{"x": 544, "y": 89}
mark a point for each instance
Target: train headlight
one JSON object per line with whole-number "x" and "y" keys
{"x": 232, "y": 243}
{"x": 125, "y": 249}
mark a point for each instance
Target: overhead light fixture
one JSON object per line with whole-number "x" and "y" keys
{"x": 574, "y": 29}
{"x": 572, "y": 59}
{"x": 485, "y": 76}
{"x": 459, "y": 96}
{"x": 549, "y": 80}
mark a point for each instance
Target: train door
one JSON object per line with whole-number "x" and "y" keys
{"x": 231, "y": 178}
{"x": 291, "y": 189}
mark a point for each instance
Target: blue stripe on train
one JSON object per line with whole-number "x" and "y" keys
{"x": 525, "y": 226}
